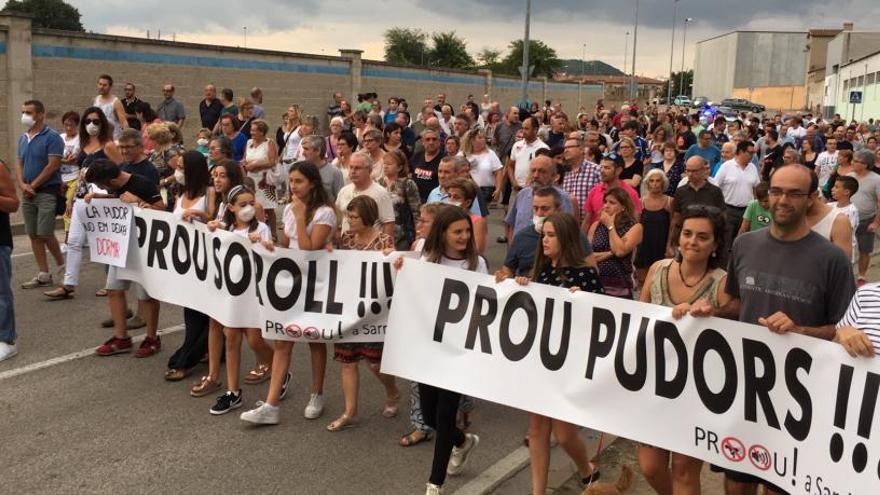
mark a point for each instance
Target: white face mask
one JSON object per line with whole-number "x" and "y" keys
{"x": 202, "y": 142}
{"x": 180, "y": 177}
{"x": 539, "y": 223}
{"x": 92, "y": 129}
{"x": 246, "y": 213}
{"x": 27, "y": 120}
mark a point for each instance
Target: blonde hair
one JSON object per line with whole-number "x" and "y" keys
{"x": 160, "y": 133}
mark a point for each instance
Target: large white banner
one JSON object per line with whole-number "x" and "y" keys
{"x": 108, "y": 224}
{"x": 342, "y": 296}
{"x": 795, "y": 411}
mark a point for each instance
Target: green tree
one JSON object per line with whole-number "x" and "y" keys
{"x": 489, "y": 57}
{"x": 52, "y": 14}
{"x": 450, "y": 51}
{"x": 541, "y": 56}
{"x": 678, "y": 84}
{"x": 406, "y": 46}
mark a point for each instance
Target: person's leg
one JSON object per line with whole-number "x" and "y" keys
{"x": 864, "y": 263}
{"x": 686, "y": 474}
{"x": 261, "y": 349}
{"x": 46, "y": 203}
{"x": 865, "y": 242}
{"x": 539, "y": 450}
{"x": 51, "y": 243}
{"x": 76, "y": 237}
{"x": 448, "y": 435}
{"x": 350, "y": 385}
{"x": 416, "y": 416}
{"x": 318, "y": 355}
{"x": 654, "y": 463}
{"x": 215, "y": 349}
{"x": 567, "y": 436}
{"x": 392, "y": 393}
{"x": 280, "y": 367}
{"x": 732, "y": 487}
{"x": 233, "y": 357}
{"x": 151, "y": 316}
{"x": 39, "y": 250}
{"x": 7, "y": 309}
{"x": 118, "y": 309}
{"x": 195, "y": 341}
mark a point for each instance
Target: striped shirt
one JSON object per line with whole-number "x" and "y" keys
{"x": 864, "y": 313}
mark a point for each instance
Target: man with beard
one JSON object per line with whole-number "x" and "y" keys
{"x": 786, "y": 278}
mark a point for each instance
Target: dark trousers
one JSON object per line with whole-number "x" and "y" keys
{"x": 734, "y": 219}
{"x": 195, "y": 341}
{"x": 439, "y": 408}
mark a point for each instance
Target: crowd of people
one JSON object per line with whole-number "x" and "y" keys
{"x": 653, "y": 204}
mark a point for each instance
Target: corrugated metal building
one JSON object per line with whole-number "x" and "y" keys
{"x": 767, "y": 67}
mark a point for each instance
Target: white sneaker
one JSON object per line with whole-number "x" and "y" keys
{"x": 42, "y": 279}
{"x": 264, "y": 414}
{"x": 434, "y": 489}
{"x": 460, "y": 455}
{"x": 7, "y": 350}
{"x": 315, "y": 407}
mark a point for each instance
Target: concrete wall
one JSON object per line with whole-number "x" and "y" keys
{"x": 61, "y": 69}
{"x": 770, "y": 59}
{"x": 714, "y": 67}
{"x": 862, "y": 75}
{"x": 775, "y": 98}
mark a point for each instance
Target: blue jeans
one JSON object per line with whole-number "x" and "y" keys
{"x": 7, "y": 312}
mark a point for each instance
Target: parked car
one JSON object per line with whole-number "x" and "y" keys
{"x": 727, "y": 112}
{"x": 700, "y": 102}
{"x": 743, "y": 104}
{"x": 681, "y": 101}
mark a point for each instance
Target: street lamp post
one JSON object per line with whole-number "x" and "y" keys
{"x": 671, "y": 51}
{"x": 245, "y": 36}
{"x": 681, "y": 87}
{"x": 525, "y": 62}
{"x": 633, "y": 89}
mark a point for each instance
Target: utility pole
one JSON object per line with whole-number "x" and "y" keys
{"x": 525, "y": 62}
{"x": 633, "y": 90}
{"x": 671, "y": 51}
{"x": 245, "y": 36}
{"x": 681, "y": 87}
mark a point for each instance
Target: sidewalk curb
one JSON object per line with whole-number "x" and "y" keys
{"x": 497, "y": 474}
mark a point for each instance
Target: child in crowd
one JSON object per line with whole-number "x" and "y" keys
{"x": 203, "y": 139}
{"x": 240, "y": 218}
{"x": 842, "y": 192}
{"x": 757, "y": 214}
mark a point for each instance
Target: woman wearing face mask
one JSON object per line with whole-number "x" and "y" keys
{"x": 259, "y": 157}
{"x": 405, "y": 196}
{"x": 693, "y": 275}
{"x": 195, "y": 203}
{"x": 240, "y": 218}
{"x": 560, "y": 261}
{"x": 309, "y": 224}
{"x": 614, "y": 238}
{"x": 226, "y": 175}
{"x": 69, "y": 165}
{"x": 96, "y": 143}
{"x": 462, "y": 193}
{"x": 203, "y": 139}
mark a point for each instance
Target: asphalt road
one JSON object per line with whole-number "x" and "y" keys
{"x": 77, "y": 423}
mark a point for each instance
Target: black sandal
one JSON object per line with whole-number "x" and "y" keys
{"x": 412, "y": 438}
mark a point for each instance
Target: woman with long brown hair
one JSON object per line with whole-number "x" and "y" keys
{"x": 614, "y": 238}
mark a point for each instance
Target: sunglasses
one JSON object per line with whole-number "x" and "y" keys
{"x": 92, "y": 121}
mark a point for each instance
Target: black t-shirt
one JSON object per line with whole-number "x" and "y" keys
{"x": 142, "y": 188}
{"x": 425, "y": 173}
{"x": 210, "y": 114}
{"x": 708, "y": 195}
{"x": 689, "y": 140}
{"x": 772, "y": 161}
{"x": 143, "y": 168}
{"x": 845, "y": 145}
{"x": 554, "y": 139}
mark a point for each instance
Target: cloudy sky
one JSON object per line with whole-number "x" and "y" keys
{"x": 324, "y": 26}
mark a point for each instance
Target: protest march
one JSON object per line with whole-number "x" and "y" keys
{"x": 694, "y": 283}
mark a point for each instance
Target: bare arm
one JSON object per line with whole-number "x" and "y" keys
{"x": 52, "y": 167}
{"x": 8, "y": 197}
{"x": 622, "y": 246}
{"x": 388, "y": 228}
{"x": 841, "y": 234}
{"x": 120, "y": 113}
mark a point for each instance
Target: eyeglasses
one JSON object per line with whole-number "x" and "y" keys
{"x": 793, "y": 193}
{"x": 92, "y": 121}
{"x": 369, "y": 140}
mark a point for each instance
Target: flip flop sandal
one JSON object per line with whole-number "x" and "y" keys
{"x": 415, "y": 437}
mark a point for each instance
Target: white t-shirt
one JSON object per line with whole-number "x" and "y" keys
{"x": 483, "y": 168}
{"x": 375, "y": 191}
{"x": 292, "y": 149}
{"x": 323, "y": 216}
{"x": 70, "y": 171}
{"x": 262, "y": 230}
{"x": 522, "y": 154}
{"x": 737, "y": 184}
{"x": 463, "y": 264}
{"x": 853, "y": 215}
{"x": 825, "y": 164}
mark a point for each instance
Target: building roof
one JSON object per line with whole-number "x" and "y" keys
{"x": 597, "y": 79}
{"x": 823, "y": 32}
{"x": 751, "y": 31}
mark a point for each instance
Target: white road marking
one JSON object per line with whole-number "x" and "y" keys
{"x": 19, "y": 255}
{"x": 497, "y": 473}
{"x": 73, "y": 356}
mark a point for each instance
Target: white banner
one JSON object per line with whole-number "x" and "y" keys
{"x": 108, "y": 224}
{"x": 795, "y": 411}
{"x": 341, "y": 296}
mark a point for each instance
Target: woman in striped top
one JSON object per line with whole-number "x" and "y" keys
{"x": 859, "y": 329}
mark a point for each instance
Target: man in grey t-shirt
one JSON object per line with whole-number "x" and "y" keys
{"x": 786, "y": 278}
{"x": 866, "y": 201}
